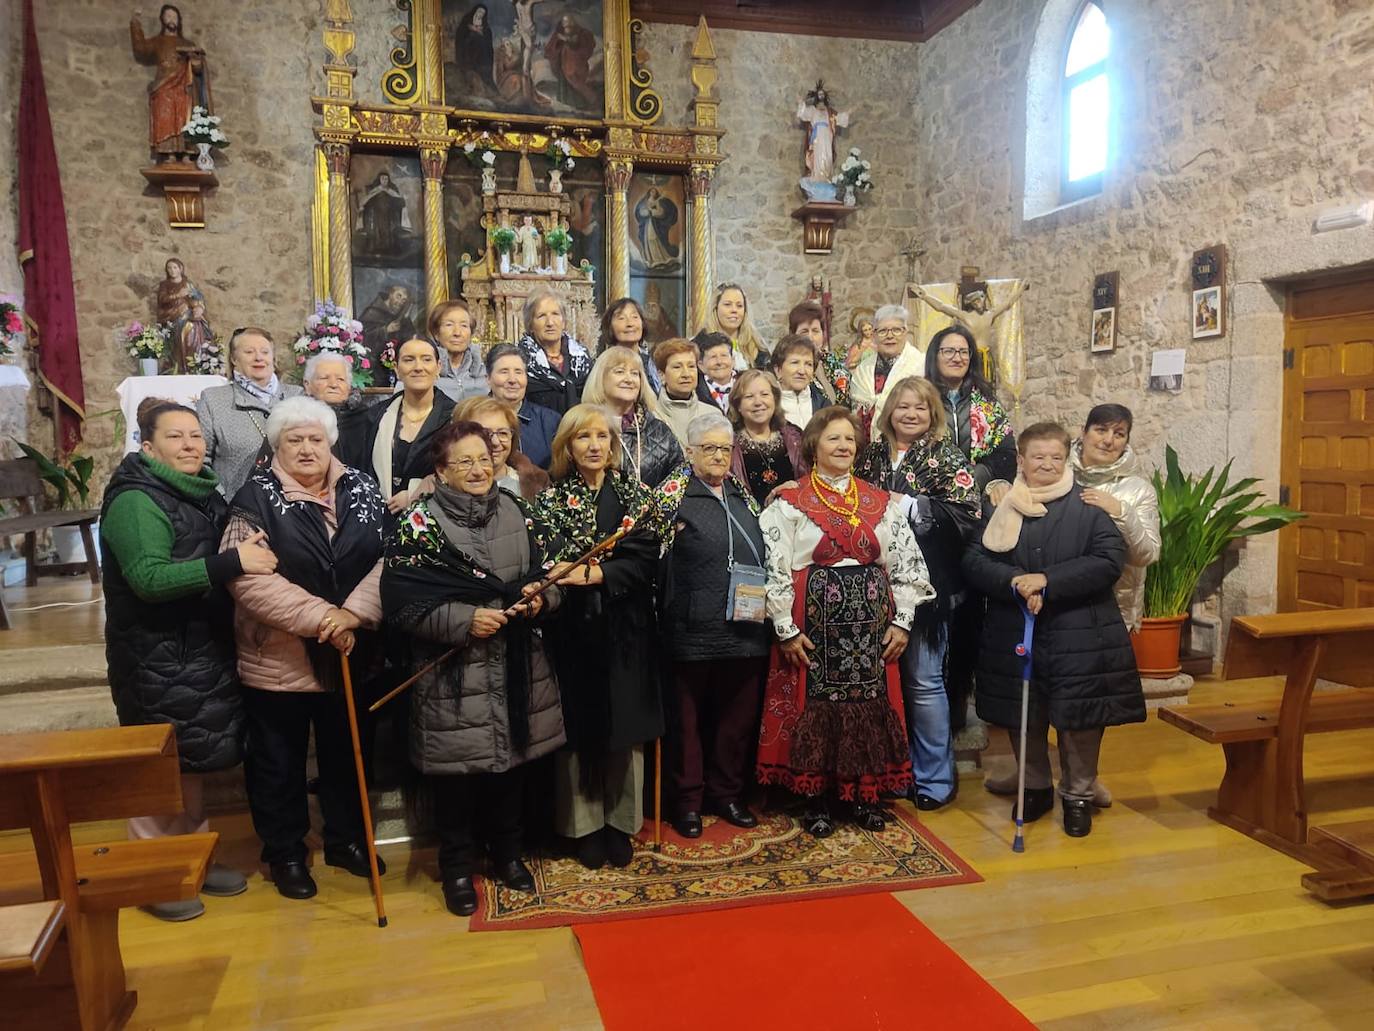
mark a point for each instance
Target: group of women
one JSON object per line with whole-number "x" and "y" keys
{"x": 778, "y": 589}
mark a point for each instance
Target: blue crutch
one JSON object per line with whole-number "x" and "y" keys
{"x": 1024, "y": 651}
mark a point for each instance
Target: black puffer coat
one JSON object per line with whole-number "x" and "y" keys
{"x": 1083, "y": 666}
{"x": 694, "y": 580}
{"x": 649, "y": 448}
{"x": 173, "y": 662}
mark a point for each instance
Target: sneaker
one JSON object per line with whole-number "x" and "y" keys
{"x": 224, "y": 882}
{"x": 177, "y": 912}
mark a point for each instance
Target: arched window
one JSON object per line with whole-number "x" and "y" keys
{"x": 1085, "y": 92}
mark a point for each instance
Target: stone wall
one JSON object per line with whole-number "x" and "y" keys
{"x": 13, "y": 415}
{"x": 1237, "y": 123}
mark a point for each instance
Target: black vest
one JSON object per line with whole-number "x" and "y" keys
{"x": 173, "y": 661}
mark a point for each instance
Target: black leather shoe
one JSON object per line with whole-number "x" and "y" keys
{"x": 515, "y": 875}
{"x": 460, "y": 896}
{"x": 1039, "y": 801}
{"x": 688, "y": 825}
{"x": 736, "y": 814}
{"x": 927, "y": 804}
{"x": 352, "y": 858}
{"x": 1078, "y": 817}
{"x": 817, "y": 822}
{"x": 868, "y": 817}
{"x": 293, "y": 880}
{"x": 619, "y": 850}
{"x": 591, "y": 850}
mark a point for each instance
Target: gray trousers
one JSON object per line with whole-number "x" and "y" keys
{"x": 617, "y": 799}
{"x": 1078, "y": 752}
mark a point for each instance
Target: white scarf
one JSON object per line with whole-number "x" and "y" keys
{"x": 1022, "y": 502}
{"x": 381, "y": 447}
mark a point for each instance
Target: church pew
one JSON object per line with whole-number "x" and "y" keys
{"x": 50, "y": 781}
{"x": 1262, "y": 792}
{"x": 28, "y": 933}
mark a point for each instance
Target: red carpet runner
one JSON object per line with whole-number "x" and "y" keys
{"x": 850, "y": 963}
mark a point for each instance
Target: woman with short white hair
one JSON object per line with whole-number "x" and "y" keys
{"x": 558, "y": 365}
{"x": 892, "y": 359}
{"x": 649, "y": 450}
{"x": 328, "y": 377}
{"x": 324, "y": 521}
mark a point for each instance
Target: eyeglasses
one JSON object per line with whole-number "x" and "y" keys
{"x": 713, "y": 450}
{"x": 953, "y": 354}
{"x": 465, "y": 464}
{"x": 500, "y": 434}
{"x": 892, "y": 331}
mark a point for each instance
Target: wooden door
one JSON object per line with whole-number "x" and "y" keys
{"x": 1327, "y": 463}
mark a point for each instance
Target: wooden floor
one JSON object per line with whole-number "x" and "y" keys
{"x": 1160, "y": 919}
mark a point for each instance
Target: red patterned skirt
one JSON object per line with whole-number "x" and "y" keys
{"x": 839, "y": 726}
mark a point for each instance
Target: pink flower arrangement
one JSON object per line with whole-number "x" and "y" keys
{"x": 11, "y": 324}
{"x": 332, "y": 330}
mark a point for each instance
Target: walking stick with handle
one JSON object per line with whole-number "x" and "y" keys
{"x": 1024, "y": 651}
{"x": 368, "y": 834}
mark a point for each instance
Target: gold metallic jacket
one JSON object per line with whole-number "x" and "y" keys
{"x": 1138, "y": 523}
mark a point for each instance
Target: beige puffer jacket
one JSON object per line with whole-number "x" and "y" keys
{"x": 1138, "y": 523}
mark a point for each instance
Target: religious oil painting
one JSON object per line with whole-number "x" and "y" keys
{"x": 532, "y": 57}
{"x": 658, "y": 211}
{"x": 387, "y": 211}
{"x": 1207, "y": 313}
{"x": 1104, "y": 330}
{"x": 391, "y": 306}
{"x": 664, "y": 302}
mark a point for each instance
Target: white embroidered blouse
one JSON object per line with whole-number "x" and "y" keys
{"x": 791, "y": 539}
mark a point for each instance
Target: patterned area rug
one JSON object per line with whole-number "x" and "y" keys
{"x": 725, "y": 868}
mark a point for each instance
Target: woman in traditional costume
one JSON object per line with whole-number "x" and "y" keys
{"x": 603, "y": 640}
{"x": 913, "y": 458}
{"x": 457, "y": 572}
{"x": 844, "y": 577}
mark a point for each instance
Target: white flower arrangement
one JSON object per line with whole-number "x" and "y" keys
{"x": 479, "y": 152}
{"x": 208, "y": 359}
{"x": 559, "y": 153}
{"x": 203, "y": 127}
{"x": 854, "y": 172}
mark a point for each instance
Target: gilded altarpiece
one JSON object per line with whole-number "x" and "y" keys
{"x": 400, "y": 201}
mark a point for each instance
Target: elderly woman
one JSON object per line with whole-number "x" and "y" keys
{"x": 649, "y": 449}
{"x": 324, "y": 521}
{"x": 1046, "y": 548}
{"x": 510, "y": 469}
{"x": 911, "y": 456}
{"x": 396, "y": 445}
{"x": 168, "y": 639}
{"x": 794, "y": 366}
{"x": 462, "y": 373}
{"x": 714, "y": 627}
{"x": 844, "y": 579}
{"x": 556, "y": 363}
{"x": 328, "y": 377}
{"x": 729, "y": 315}
{"x": 768, "y": 448}
{"x": 603, "y": 641}
{"x": 457, "y": 572}
{"x": 508, "y": 382}
{"x": 234, "y": 417}
{"x": 623, "y": 325}
{"x": 891, "y": 359}
{"x": 832, "y": 375}
{"x": 678, "y": 404}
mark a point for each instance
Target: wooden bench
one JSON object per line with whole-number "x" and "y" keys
{"x": 1262, "y": 792}
{"x": 20, "y": 482}
{"x": 50, "y": 781}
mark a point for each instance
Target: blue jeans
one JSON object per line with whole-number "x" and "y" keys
{"x": 927, "y": 715}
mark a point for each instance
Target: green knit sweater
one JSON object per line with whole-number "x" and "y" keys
{"x": 140, "y": 537}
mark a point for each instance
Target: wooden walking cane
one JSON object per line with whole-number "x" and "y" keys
{"x": 658, "y": 794}
{"x": 368, "y": 835}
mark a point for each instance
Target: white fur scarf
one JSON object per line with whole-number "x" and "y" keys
{"x": 1022, "y": 502}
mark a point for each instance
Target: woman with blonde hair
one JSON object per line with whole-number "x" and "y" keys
{"x": 604, "y": 639}
{"x": 649, "y": 450}
{"x": 511, "y": 469}
{"x": 729, "y": 314}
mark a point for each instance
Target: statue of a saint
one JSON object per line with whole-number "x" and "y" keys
{"x": 182, "y": 81}
{"x": 195, "y": 334}
{"x": 822, "y": 123}
{"x": 974, "y": 316}
{"x": 528, "y": 237}
{"x": 175, "y": 295}
{"x": 819, "y": 293}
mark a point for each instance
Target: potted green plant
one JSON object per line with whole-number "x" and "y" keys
{"x": 503, "y": 239}
{"x": 559, "y": 242}
{"x": 71, "y": 480}
{"x": 1199, "y": 517}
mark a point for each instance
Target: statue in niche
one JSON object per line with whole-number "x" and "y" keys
{"x": 974, "y": 315}
{"x": 819, "y": 294}
{"x": 182, "y": 82}
{"x": 175, "y": 295}
{"x": 528, "y": 237}
{"x": 823, "y": 124}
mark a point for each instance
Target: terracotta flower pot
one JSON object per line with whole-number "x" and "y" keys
{"x": 1156, "y": 646}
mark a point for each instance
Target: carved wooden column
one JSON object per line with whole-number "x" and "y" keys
{"x": 432, "y": 162}
{"x": 701, "y": 269}
{"x": 340, "y": 229}
{"x": 618, "y": 171}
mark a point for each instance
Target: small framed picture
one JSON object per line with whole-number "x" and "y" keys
{"x": 1208, "y": 313}
{"x": 1104, "y": 330}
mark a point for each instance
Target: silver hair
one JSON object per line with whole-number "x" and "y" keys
{"x": 301, "y": 411}
{"x": 537, "y": 296}
{"x": 890, "y": 311}
{"x": 707, "y": 422}
{"x": 316, "y": 360}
